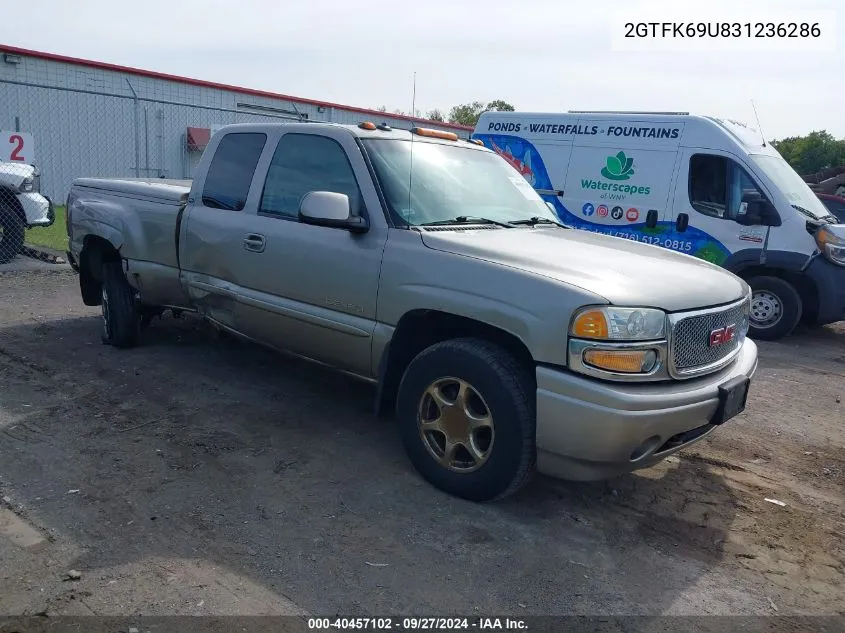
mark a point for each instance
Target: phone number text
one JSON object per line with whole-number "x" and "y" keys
{"x": 722, "y": 29}
{"x": 676, "y": 245}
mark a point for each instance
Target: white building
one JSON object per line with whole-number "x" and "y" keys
{"x": 89, "y": 118}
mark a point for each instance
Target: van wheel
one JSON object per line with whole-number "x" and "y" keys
{"x": 12, "y": 232}
{"x": 121, "y": 317}
{"x": 467, "y": 413}
{"x": 775, "y": 308}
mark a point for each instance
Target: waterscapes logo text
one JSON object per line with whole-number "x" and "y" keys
{"x": 617, "y": 168}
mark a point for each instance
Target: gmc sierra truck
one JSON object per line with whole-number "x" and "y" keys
{"x": 503, "y": 341}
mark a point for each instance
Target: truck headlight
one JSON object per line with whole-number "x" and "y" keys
{"x": 611, "y": 323}
{"x": 618, "y": 343}
{"x": 27, "y": 185}
{"x": 831, "y": 242}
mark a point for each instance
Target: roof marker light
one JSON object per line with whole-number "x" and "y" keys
{"x": 424, "y": 131}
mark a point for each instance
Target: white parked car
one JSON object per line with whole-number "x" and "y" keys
{"x": 21, "y": 206}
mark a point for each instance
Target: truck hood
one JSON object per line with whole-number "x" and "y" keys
{"x": 620, "y": 270}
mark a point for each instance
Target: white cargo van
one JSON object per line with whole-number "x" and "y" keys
{"x": 707, "y": 187}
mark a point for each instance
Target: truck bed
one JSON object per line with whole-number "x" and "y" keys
{"x": 151, "y": 188}
{"x": 139, "y": 217}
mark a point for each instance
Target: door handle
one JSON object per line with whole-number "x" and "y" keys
{"x": 651, "y": 219}
{"x": 682, "y": 222}
{"x": 254, "y": 242}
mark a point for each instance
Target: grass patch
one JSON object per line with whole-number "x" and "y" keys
{"x": 54, "y": 236}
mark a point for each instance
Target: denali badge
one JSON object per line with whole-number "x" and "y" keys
{"x": 722, "y": 335}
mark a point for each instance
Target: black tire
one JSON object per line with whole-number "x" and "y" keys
{"x": 508, "y": 391}
{"x": 776, "y": 308}
{"x": 121, "y": 317}
{"x": 11, "y": 238}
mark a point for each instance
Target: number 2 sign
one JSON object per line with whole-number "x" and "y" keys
{"x": 17, "y": 147}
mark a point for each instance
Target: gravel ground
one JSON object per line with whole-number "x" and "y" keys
{"x": 200, "y": 475}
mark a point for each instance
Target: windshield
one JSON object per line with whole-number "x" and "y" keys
{"x": 450, "y": 181}
{"x": 791, "y": 185}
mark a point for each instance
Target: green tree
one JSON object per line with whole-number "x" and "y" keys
{"x": 500, "y": 106}
{"x": 812, "y": 153}
{"x": 469, "y": 113}
{"x": 435, "y": 115}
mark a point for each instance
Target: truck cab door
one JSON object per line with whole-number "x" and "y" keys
{"x": 712, "y": 193}
{"x": 209, "y": 236}
{"x": 311, "y": 290}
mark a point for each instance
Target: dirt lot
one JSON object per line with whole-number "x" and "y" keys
{"x": 199, "y": 475}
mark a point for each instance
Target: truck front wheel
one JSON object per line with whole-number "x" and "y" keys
{"x": 11, "y": 234}
{"x": 467, "y": 419}
{"x": 775, "y": 308}
{"x": 121, "y": 317}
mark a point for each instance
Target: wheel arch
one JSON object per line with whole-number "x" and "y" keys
{"x": 803, "y": 284}
{"x": 419, "y": 329}
{"x": 9, "y": 199}
{"x": 96, "y": 251}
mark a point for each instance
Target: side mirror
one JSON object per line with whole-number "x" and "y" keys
{"x": 327, "y": 208}
{"x": 758, "y": 212}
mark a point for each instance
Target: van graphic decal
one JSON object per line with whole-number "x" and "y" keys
{"x": 524, "y": 169}
{"x": 619, "y": 167}
{"x": 524, "y": 157}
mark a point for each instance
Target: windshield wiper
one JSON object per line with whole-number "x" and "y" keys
{"x": 467, "y": 219}
{"x": 810, "y": 214}
{"x": 539, "y": 220}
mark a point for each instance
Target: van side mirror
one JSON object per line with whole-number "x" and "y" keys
{"x": 758, "y": 212}
{"x": 330, "y": 209}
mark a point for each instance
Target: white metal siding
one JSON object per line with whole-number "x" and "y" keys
{"x": 83, "y": 119}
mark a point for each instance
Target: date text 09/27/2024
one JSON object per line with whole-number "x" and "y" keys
{"x": 417, "y": 624}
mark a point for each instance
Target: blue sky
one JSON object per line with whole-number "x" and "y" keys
{"x": 540, "y": 55}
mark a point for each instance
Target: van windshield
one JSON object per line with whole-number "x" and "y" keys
{"x": 449, "y": 181}
{"x": 800, "y": 196}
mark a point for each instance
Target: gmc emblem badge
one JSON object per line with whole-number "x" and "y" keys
{"x": 722, "y": 335}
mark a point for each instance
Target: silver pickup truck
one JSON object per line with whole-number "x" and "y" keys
{"x": 503, "y": 341}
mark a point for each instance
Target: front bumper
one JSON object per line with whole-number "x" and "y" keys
{"x": 38, "y": 209}
{"x": 589, "y": 430}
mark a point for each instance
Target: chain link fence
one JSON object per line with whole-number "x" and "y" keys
{"x": 51, "y": 134}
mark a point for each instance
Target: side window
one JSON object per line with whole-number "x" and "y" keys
{"x": 718, "y": 186}
{"x": 231, "y": 170}
{"x": 303, "y": 163}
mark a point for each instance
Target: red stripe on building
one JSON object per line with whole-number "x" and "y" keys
{"x": 211, "y": 84}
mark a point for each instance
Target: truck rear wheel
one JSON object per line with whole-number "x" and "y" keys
{"x": 466, "y": 410}
{"x": 121, "y": 317}
{"x": 775, "y": 308}
{"x": 11, "y": 234}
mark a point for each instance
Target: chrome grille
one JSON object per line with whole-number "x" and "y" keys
{"x": 690, "y": 349}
